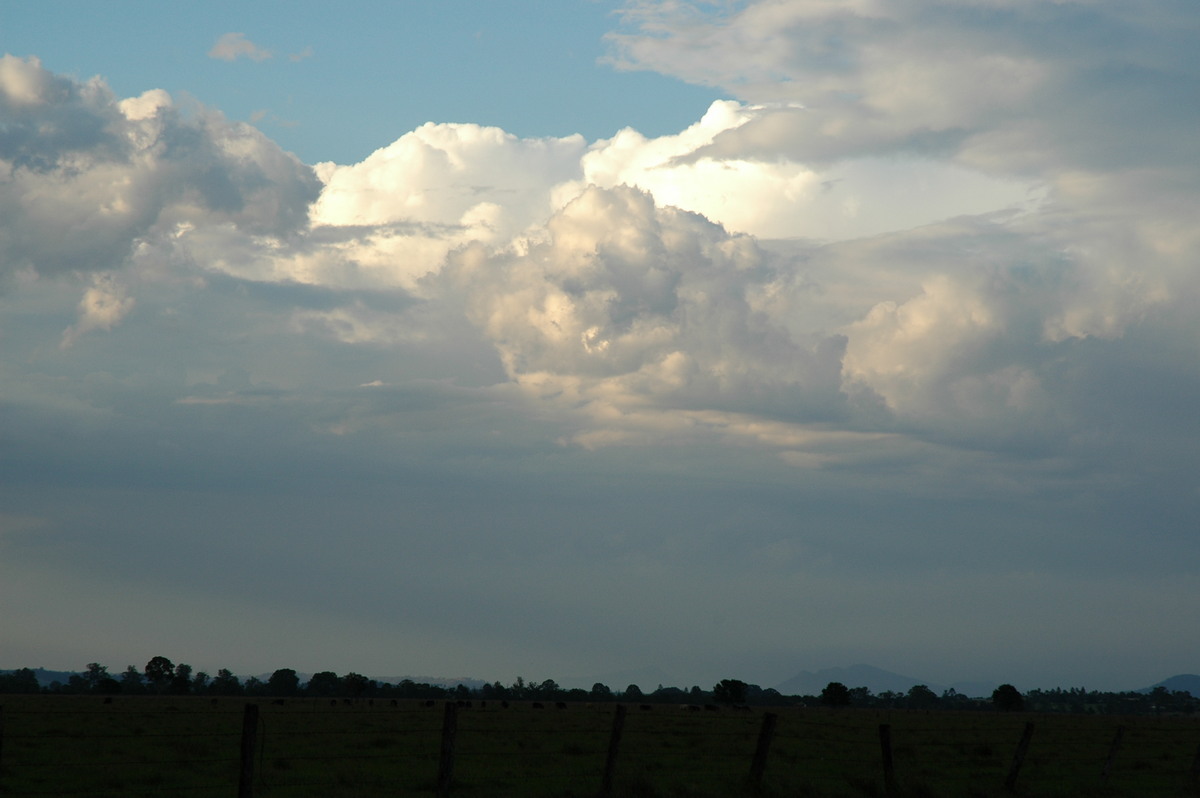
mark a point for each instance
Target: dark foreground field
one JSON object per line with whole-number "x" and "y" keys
{"x": 143, "y": 746}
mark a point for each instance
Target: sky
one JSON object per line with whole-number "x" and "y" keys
{"x": 495, "y": 339}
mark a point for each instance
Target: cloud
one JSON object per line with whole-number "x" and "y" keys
{"x": 631, "y": 311}
{"x": 1031, "y": 88}
{"x": 778, "y": 196}
{"x": 614, "y": 280}
{"x": 102, "y": 307}
{"x": 442, "y": 186}
{"x": 400, "y": 212}
{"x": 90, "y": 179}
{"x": 1078, "y": 104}
{"x": 766, "y": 353}
{"x": 232, "y": 46}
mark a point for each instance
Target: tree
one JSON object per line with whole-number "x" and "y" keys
{"x": 323, "y": 685}
{"x": 159, "y": 673}
{"x": 1006, "y": 698}
{"x": 601, "y": 692}
{"x": 181, "y": 682}
{"x": 283, "y": 682}
{"x": 921, "y": 697}
{"x": 225, "y": 683}
{"x": 131, "y": 680}
{"x": 23, "y": 680}
{"x": 953, "y": 699}
{"x": 200, "y": 683}
{"x": 95, "y": 674}
{"x": 355, "y": 684}
{"x": 729, "y": 691}
{"x": 835, "y": 694}
{"x": 633, "y": 693}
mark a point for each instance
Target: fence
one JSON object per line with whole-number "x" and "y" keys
{"x": 305, "y": 747}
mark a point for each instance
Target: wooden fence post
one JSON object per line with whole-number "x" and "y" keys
{"x": 1196, "y": 765}
{"x": 446, "y": 762}
{"x": 1010, "y": 783}
{"x": 249, "y": 741}
{"x": 889, "y": 766}
{"x": 614, "y": 743}
{"x": 1112, "y": 753}
{"x": 759, "y": 765}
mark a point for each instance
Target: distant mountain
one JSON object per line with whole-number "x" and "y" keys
{"x": 874, "y": 679}
{"x": 1187, "y": 682}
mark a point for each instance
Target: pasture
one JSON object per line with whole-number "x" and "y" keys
{"x": 156, "y": 746}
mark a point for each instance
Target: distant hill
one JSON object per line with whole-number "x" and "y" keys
{"x": 874, "y": 679}
{"x": 1187, "y": 682}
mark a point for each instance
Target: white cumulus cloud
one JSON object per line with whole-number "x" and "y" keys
{"x": 89, "y": 179}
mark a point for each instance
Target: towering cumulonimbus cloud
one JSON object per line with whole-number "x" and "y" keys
{"x": 625, "y": 306}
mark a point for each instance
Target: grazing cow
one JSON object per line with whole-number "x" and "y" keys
{"x": 395, "y": 703}
{"x": 538, "y": 705}
{"x": 645, "y": 707}
{"x": 429, "y": 703}
{"x": 333, "y": 702}
{"x": 712, "y": 708}
{"x": 560, "y": 704}
{"x": 504, "y": 704}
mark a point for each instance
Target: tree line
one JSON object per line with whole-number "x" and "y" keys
{"x": 160, "y": 676}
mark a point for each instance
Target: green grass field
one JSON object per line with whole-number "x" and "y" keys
{"x": 145, "y": 746}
